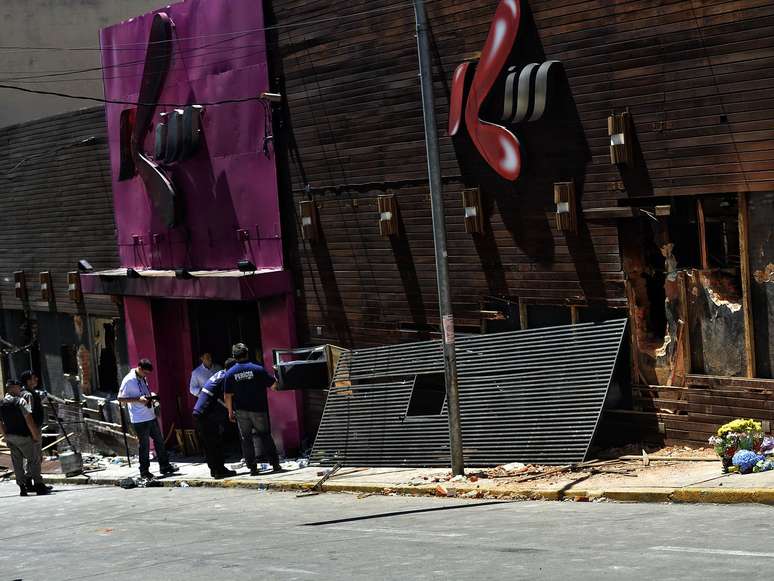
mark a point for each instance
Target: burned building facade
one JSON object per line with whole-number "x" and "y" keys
{"x": 598, "y": 161}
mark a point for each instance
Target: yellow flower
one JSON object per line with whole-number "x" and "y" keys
{"x": 739, "y": 426}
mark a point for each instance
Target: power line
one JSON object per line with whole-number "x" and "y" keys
{"x": 122, "y": 102}
{"x": 142, "y": 45}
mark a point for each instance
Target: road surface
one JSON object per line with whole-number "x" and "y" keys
{"x": 191, "y": 533}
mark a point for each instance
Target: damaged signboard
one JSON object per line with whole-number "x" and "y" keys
{"x": 529, "y": 396}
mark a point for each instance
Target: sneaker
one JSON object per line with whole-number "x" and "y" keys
{"x": 169, "y": 469}
{"x": 23, "y": 490}
{"x": 147, "y": 474}
{"x": 254, "y": 471}
{"x": 277, "y": 469}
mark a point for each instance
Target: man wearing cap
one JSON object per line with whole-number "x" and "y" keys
{"x": 203, "y": 373}
{"x": 30, "y": 382}
{"x": 137, "y": 395}
{"x": 210, "y": 416}
{"x": 245, "y": 387}
{"x": 22, "y": 436}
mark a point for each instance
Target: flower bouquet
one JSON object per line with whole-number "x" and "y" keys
{"x": 743, "y": 447}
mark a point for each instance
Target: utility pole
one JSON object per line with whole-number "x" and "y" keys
{"x": 439, "y": 239}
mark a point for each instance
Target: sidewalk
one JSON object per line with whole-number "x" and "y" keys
{"x": 628, "y": 480}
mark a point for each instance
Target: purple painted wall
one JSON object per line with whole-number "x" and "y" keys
{"x": 229, "y": 184}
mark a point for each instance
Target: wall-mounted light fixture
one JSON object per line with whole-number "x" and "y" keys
{"x": 566, "y": 214}
{"x": 74, "y": 286}
{"x": 388, "y": 215}
{"x": 85, "y": 266}
{"x": 246, "y": 266}
{"x": 474, "y": 218}
{"x": 46, "y": 290}
{"x": 619, "y": 128}
{"x": 272, "y": 97}
{"x": 309, "y": 224}
{"x": 20, "y": 285}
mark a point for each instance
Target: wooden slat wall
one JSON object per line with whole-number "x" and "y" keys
{"x": 56, "y": 206}
{"x": 695, "y": 76}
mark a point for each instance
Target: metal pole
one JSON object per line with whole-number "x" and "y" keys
{"x": 439, "y": 238}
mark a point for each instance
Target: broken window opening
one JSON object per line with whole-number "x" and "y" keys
{"x": 428, "y": 395}
{"x": 721, "y": 226}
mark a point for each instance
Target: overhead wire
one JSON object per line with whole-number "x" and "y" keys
{"x": 142, "y": 45}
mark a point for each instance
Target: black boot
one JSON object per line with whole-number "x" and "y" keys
{"x": 23, "y": 490}
{"x": 29, "y": 483}
{"x": 41, "y": 489}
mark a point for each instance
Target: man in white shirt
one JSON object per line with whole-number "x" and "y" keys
{"x": 136, "y": 394}
{"x": 203, "y": 373}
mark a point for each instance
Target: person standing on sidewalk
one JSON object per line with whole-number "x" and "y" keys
{"x": 245, "y": 387}
{"x": 210, "y": 415}
{"x": 22, "y": 436}
{"x": 30, "y": 382}
{"x": 137, "y": 395}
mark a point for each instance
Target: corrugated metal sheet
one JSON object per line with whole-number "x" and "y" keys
{"x": 529, "y": 396}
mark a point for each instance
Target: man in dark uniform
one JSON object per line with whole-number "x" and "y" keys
{"x": 210, "y": 415}
{"x": 245, "y": 386}
{"x": 22, "y": 436}
{"x": 30, "y": 391}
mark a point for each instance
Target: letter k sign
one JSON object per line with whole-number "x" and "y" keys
{"x": 496, "y": 144}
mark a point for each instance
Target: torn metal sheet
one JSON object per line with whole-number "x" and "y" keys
{"x": 528, "y": 396}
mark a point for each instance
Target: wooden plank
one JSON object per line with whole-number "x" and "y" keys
{"x": 744, "y": 267}
{"x": 523, "y": 318}
{"x": 683, "y": 314}
{"x": 718, "y": 381}
{"x": 702, "y": 234}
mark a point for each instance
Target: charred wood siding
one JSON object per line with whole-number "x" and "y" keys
{"x": 694, "y": 76}
{"x": 56, "y": 205}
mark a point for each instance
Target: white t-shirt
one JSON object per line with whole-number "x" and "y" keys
{"x": 131, "y": 387}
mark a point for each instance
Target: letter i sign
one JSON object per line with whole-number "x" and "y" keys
{"x": 497, "y": 144}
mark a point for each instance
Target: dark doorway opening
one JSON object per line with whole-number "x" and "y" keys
{"x": 428, "y": 395}
{"x": 217, "y": 325}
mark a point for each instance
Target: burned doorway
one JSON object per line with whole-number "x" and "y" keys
{"x": 685, "y": 289}
{"x": 217, "y": 325}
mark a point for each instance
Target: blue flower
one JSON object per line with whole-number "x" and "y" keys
{"x": 746, "y": 460}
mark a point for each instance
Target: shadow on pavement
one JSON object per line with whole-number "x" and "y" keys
{"x": 400, "y": 513}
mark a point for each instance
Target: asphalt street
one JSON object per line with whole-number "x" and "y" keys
{"x": 201, "y": 533}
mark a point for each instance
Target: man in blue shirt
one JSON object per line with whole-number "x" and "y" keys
{"x": 210, "y": 415}
{"x": 137, "y": 395}
{"x": 245, "y": 387}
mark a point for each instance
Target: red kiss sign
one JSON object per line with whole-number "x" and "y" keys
{"x": 497, "y": 145}
{"x": 526, "y": 90}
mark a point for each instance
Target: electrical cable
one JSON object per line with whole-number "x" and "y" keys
{"x": 142, "y": 45}
{"x": 122, "y": 102}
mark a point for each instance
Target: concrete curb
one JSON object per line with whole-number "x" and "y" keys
{"x": 677, "y": 495}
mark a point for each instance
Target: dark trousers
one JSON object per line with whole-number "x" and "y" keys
{"x": 210, "y": 433}
{"x": 249, "y": 421}
{"x": 145, "y": 431}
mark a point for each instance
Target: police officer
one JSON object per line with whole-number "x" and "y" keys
{"x": 245, "y": 386}
{"x": 22, "y": 436}
{"x": 30, "y": 391}
{"x": 210, "y": 416}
